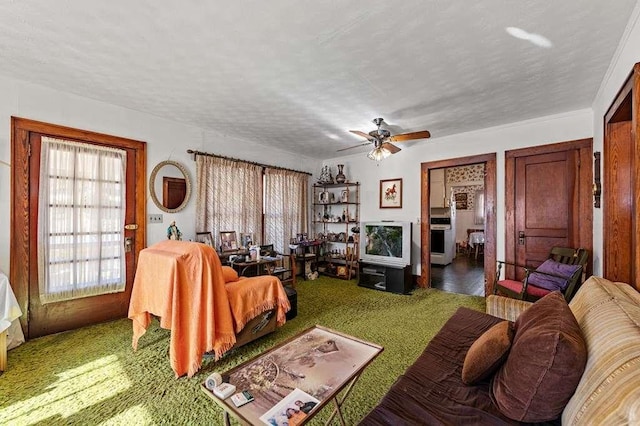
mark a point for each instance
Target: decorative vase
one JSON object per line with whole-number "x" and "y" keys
{"x": 340, "y": 177}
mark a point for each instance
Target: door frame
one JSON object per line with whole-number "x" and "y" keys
{"x": 21, "y": 235}
{"x": 624, "y": 107}
{"x": 585, "y": 179}
{"x": 490, "y": 194}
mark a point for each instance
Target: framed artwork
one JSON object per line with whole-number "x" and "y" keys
{"x": 391, "y": 193}
{"x": 341, "y": 271}
{"x": 246, "y": 239}
{"x": 205, "y": 238}
{"x": 461, "y": 201}
{"x": 228, "y": 241}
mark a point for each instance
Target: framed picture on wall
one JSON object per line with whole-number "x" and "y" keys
{"x": 228, "y": 241}
{"x": 391, "y": 193}
{"x": 461, "y": 201}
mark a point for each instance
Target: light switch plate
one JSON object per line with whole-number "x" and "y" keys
{"x": 155, "y": 218}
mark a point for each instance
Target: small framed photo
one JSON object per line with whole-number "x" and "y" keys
{"x": 341, "y": 271}
{"x": 205, "y": 238}
{"x": 391, "y": 193}
{"x": 246, "y": 239}
{"x": 344, "y": 196}
{"x": 228, "y": 241}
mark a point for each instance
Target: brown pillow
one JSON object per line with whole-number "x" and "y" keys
{"x": 229, "y": 274}
{"x": 545, "y": 364}
{"x": 487, "y": 353}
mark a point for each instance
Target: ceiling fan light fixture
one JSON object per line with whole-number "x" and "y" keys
{"x": 378, "y": 154}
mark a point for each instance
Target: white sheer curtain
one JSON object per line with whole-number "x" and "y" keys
{"x": 286, "y": 204}
{"x": 478, "y": 209}
{"x": 229, "y": 197}
{"x": 81, "y": 216}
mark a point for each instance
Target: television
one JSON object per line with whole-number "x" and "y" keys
{"x": 386, "y": 243}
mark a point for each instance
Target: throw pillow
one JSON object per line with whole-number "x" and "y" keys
{"x": 545, "y": 364}
{"x": 487, "y": 353}
{"x": 229, "y": 274}
{"x": 549, "y": 282}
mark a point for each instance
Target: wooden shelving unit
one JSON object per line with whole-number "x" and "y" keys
{"x": 336, "y": 209}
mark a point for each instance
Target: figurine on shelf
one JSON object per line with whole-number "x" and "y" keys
{"x": 325, "y": 175}
{"x": 340, "y": 177}
{"x": 173, "y": 233}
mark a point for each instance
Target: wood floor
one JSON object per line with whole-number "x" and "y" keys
{"x": 465, "y": 275}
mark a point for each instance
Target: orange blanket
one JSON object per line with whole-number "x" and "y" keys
{"x": 250, "y": 297}
{"x": 181, "y": 282}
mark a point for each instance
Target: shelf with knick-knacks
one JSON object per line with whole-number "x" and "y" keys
{"x": 336, "y": 215}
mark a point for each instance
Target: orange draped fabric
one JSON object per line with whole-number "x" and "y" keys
{"x": 250, "y": 297}
{"x": 182, "y": 283}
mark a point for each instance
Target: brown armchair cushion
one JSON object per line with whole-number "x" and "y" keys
{"x": 545, "y": 364}
{"x": 487, "y": 353}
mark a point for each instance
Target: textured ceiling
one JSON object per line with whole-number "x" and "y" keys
{"x": 298, "y": 74}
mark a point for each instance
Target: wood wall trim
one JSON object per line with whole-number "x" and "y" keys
{"x": 635, "y": 131}
{"x": 621, "y": 184}
{"x": 490, "y": 215}
{"x": 20, "y": 232}
{"x": 585, "y": 155}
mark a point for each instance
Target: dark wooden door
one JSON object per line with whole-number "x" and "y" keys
{"x": 174, "y": 190}
{"x": 545, "y": 190}
{"x": 549, "y": 203}
{"x": 43, "y": 319}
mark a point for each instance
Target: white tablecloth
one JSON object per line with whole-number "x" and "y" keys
{"x": 9, "y": 314}
{"x": 476, "y": 238}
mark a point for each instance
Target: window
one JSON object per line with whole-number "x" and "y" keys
{"x": 236, "y": 196}
{"x": 81, "y": 218}
{"x": 285, "y": 213}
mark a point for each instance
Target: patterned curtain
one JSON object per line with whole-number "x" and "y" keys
{"x": 286, "y": 204}
{"x": 229, "y": 197}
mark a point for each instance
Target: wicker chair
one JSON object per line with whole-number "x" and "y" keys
{"x": 524, "y": 290}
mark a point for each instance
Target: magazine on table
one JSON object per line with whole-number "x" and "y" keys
{"x": 291, "y": 410}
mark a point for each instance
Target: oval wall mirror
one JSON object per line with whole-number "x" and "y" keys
{"x": 170, "y": 186}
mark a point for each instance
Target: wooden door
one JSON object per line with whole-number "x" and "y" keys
{"x": 43, "y": 319}
{"x": 548, "y": 201}
{"x": 618, "y": 204}
{"x": 621, "y": 185}
{"x": 174, "y": 191}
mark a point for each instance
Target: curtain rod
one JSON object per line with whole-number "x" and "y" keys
{"x": 191, "y": 151}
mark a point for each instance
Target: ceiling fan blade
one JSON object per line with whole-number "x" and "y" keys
{"x": 355, "y": 146}
{"x": 410, "y": 136}
{"x": 363, "y": 134}
{"x": 390, "y": 147}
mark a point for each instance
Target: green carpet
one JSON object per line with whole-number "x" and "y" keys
{"x": 92, "y": 376}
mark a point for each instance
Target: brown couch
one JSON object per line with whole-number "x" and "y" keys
{"x": 431, "y": 391}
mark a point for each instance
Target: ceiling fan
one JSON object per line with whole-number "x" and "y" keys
{"x": 381, "y": 140}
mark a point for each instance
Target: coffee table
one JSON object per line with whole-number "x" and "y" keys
{"x": 315, "y": 365}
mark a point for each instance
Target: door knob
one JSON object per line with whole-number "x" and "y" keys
{"x": 521, "y": 237}
{"x": 128, "y": 244}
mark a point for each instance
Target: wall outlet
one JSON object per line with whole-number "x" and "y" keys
{"x": 155, "y": 218}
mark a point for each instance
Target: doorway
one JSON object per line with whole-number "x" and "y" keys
{"x": 457, "y": 229}
{"x": 75, "y": 152}
{"x": 436, "y": 201}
